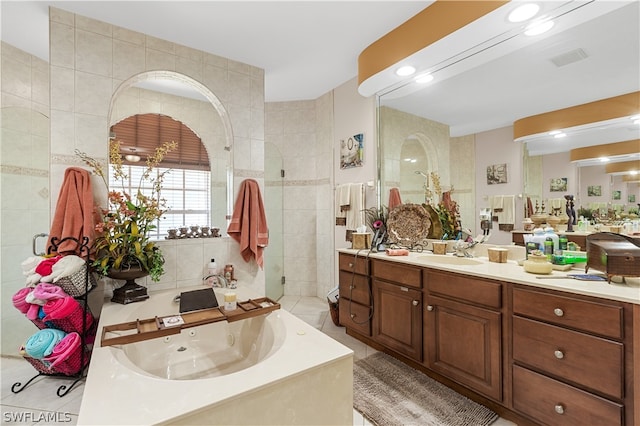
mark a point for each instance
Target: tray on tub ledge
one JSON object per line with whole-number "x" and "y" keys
{"x": 152, "y": 328}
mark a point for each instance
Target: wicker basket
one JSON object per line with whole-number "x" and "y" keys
{"x": 74, "y": 284}
{"x": 68, "y": 367}
{"x": 73, "y": 321}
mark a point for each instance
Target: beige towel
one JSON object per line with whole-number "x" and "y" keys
{"x": 355, "y": 214}
{"x": 507, "y": 215}
{"x": 343, "y": 199}
{"x": 556, "y": 203}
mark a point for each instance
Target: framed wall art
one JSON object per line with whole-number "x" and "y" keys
{"x": 594, "y": 191}
{"x": 558, "y": 185}
{"x": 496, "y": 173}
{"x": 352, "y": 151}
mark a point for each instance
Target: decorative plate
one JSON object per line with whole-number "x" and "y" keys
{"x": 408, "y": 224}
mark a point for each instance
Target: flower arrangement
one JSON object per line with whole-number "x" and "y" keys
{"x": 122, "y": 236}
{"x": 376, "y": 218}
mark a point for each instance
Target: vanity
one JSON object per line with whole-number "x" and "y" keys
{"x": 537, "y": 351}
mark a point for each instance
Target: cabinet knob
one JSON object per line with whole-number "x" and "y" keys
{"x": 429, "y": 308}
{"x": 559, "y": 408}
{"x": 350, "y": 264}
{"x": 559, "y": 354}
{"x": 353, "y": 316}
{"x": 415, "y": 303}
{"x": 559, "y": 312}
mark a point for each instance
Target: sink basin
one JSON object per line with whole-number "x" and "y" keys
{"x": 449, "y": 260}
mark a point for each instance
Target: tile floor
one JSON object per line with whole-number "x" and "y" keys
{"x": 39, "y": 405}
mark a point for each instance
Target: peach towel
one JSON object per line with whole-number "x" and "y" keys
{"x": 248, "y": 224}
{"x": 74, "y": 215}
{"x": 394, "y": 198}
{"x": 397, "y": 252}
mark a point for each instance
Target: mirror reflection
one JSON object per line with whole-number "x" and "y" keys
{"x": 155, "y": 111}
{"x": 480, "y": 96}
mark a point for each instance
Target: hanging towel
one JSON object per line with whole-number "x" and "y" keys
{"x": 356, "y": 206}
{"x": 530, "y": 210}
{"x": 507, "y": 215}
{"x": 75, "y": 214}
{"x": 394, "y": 198}
{"x": 342, "y": 203}
{"x": 248, "y": 224}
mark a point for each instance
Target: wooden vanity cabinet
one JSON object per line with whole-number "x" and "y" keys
{"x": 568, "y": 358}
{"x": 355, "y": 302}
{"x": 463, "y": 330}
{"x": 397, "y": 307}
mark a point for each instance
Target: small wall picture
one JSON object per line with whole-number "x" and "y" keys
{"x": 352, "y": 151}
{"x": 558, "y": 185}
{"x": 616, "y": 195}
{"x": 594, "y": 191}
{"x": 496, "y": 173}
{"x": 632, "y": 198}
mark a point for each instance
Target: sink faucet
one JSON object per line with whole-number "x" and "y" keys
{"x": 219, "y": 278}
{"x": 462, "y": 247}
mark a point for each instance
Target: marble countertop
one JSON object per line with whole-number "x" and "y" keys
{"x": 627, "y": 291}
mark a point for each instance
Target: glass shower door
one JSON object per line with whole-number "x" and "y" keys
{"x": 273, "y": 200}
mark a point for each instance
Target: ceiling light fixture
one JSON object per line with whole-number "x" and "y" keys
{"x": 538, "y": 28}
{"x": 559, "y": 135}
{"x": 554, "y": 132}
{"x": 424, "y": 78}
{"x": 523, "y": 12}
{"x": 604, "y": 159}
{"x": 405, "y": 71}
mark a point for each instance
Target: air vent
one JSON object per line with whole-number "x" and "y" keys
{"x": 569, "y": 57}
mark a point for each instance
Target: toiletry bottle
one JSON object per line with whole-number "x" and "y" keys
{"x": 212, "y": 272}
{"x": 548, "y": 248}
{"x": 230, "y": 302}
{"x": 538, "y": 238}
{"x": 549, "y": 232}
{"x": 563, "y": 241}
{"x": 228, "y": 273}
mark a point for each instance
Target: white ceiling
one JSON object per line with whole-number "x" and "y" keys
{"x": 306, "y": 48}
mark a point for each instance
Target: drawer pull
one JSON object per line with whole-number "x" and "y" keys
{"x": 559, "y": 312}
{"x": 429, "y": 308}
{"x": 559, "y": 408}
{"x": 559, "y": 354}
{"x": 415, "y": 302}
{"x": 353, "y": 316}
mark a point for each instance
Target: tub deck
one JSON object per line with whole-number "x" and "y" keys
{"x": 308, "y": 367}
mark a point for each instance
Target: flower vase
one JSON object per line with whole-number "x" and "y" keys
{"x": 131, "y": 291}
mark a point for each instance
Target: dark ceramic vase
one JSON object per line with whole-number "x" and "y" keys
{"x": 131, "y": 291}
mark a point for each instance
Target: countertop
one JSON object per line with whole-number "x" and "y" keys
{"x": 627, "y": 291}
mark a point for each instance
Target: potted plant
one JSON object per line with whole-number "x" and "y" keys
{"x": 122, "y": 247}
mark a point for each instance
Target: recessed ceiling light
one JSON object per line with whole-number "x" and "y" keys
{"x": 603, "y": 159}
{"x": 559, "y": 135}
{"x": 554, "y": 132}
{"x": 405, "y": 70}
{"x": 523, "y": 12}
{"x": 424, "y": 78}
{"x": 538, "y": 28}
{"x": 633, "y": 172}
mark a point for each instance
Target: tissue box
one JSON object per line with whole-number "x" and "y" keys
{"x": 497, "y": 255}
{"x": 360, "y": 241}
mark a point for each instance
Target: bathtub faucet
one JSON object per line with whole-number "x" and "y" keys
{"x": 220, "y": 278}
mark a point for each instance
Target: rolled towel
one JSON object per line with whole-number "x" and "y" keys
{"x": 46, "y": 291}
{"x": 44, "y": 267}
{"x": 64, "y": 349}
{"x": 41, "y": 344}
{"x": 31, "y": 298}
{"x": 397, "y": 252}
{"x": 19, "y": 300}
{"x": 64, "y": 267}
{"x": 33, "y": 279}
{"x": 60, "y": 308}
{"x": 29, "y": 265}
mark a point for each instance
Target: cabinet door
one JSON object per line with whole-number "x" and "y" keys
{"x": 397, "y": 318}
{"x": 463, "y": 342}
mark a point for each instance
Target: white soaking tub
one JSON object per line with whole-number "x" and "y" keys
{"x": 270, "y": 369}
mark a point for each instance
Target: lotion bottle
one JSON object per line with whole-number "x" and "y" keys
{"x": 212, "y": 272}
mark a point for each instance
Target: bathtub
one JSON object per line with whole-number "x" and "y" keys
{"x": 270, "y": 369}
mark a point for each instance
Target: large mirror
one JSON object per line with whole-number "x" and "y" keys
{"x": 592, "y": 53}
{"x": 170, "y": 98}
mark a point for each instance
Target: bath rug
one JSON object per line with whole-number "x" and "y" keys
{"x": 389, "y": 392}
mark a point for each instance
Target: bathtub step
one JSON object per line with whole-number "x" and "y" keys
{"x": 152, "y": 328}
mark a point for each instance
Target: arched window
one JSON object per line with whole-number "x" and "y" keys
{"x": 187, "y": 187}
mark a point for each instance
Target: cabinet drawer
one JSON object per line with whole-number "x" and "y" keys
{"x": 474, "y": 290}
{"x": 552, "y": 402}
{"x": 397, "y": 273}
{"x": 355, "y": 287}
{"x": 583, "y": 315}
{"x": 348, "y": 262}
{"x": 355, "y": 316}
{"x": 590, "y": 361}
